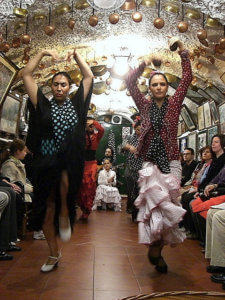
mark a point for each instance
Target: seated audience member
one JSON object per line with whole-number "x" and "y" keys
{"x": 218, "y": 162}
{"x": 8, "y": 226}
{"x": 188, "y": 194}
{"x": 188, "y": 165}
{"x": 107, "y": 195}
{"x": 215, "y": 241}
{"x": 14, "y": 169}
{"x": 108, "y": 154}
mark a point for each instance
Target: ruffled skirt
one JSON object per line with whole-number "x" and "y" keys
{"x": 107, "y": 195}
{"x": 159, "y": 208}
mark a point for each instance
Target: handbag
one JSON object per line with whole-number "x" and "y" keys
{"x": 219, "y": 191}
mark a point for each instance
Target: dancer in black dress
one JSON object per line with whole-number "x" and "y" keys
{"x": 56, "y": 137}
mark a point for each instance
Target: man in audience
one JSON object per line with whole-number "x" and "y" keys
{"x": 215, "y": 243}
{"x": 188, "y": 166}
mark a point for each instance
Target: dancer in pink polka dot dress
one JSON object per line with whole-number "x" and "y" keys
{"x": 159, "y": 178}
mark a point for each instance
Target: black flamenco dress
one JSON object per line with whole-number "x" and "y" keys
{"x": 56, "y": 136}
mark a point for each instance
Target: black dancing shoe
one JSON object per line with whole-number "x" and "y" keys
{"x": 5, "y": 256}
{"x": 13, "y": 248}
{"x": 215, "y": 269}
{"x": 161, "y": 265}
{"x": 218, "y": 278}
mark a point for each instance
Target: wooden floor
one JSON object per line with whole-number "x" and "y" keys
{"x": 103, "y": 261}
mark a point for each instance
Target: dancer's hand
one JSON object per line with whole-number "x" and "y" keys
{"x": 71, "y": 54}
{"x": 53, "y": 53}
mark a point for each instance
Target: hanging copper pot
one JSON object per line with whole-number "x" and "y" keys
{"x": 20, "y": 12}
{"x": 202, "y": 34}
{"x": 198, "y": 66}
{"x": 158, "y": 23}
{"x": 39, "y": 16}
{"x": 62, "y": 9}
{"x": 182, "y": 26}
{"x": 81, "y": 4}
{"x": 128, "y": 5}
{"x": 71, "y": 23}
{"x": 16, "y": 42}
{"x": 5, "y": 46}
{"x": 218, "y": 50}
{"x": 93, "y": 20}
{"x": 204, "y": 42}
{"x": 148, "y": 3}
{"x": 137, "y": 16}
{"x": 222, "y": 43}
{"x": 114, "y": 18}
{"x": 193, "y": 14}
{"x": 49, "y": 30}
{"x": 212, "y": 22}
{"x": 25, "y": 39}
{"x": 171, "y": 7}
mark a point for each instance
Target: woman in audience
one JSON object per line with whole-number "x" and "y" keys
{"x": 107, "y": 195}
{"x": 188, "y": 194}
{"x": 14, "y": 169}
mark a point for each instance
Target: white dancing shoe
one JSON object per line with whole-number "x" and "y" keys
{"x": 47, "y": 267}
{"x": 64, "y": 229}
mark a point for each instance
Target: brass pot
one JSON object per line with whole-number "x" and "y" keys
{"x": 128, "y": 5}
{"x": 98, "y": 70}
{"x": 193, "y": 14}
{"x": 212, "y": 22}
{"x": 93, "y": 20}
{"x": 137, "y": 16}
{"x": 76, "y": 76}
{"x": 19, "y": 24}
{"x": 182, "y": 26}
{"x": 170, "y": 77}
{"x": 114, "y": 18}
{"x": 39, "y": 16}
{"x": 81, "y": 4}
{"x": 99, "y": 88}
{"x": 147, "y": 72}
{"x": 158, "y": 23}
{"x": 222, "y": 43}
{"x": 20, "y": 12}
{"x": 202, "y": 34}
{"x": 62, "y": 9}
{"x": 148, "y": 3}
{"x": 71, "y": 23}
{"x": 171, "y": 7}
{"x": 25, "y": 39}
{"x": 49, "y": 30}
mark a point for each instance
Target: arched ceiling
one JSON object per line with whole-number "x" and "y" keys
{"x": 100, "y": 43}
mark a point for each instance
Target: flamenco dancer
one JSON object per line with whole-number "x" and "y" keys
{"x": 88, "y": 187}
{"x": 159, "y": 178}
{"x": 56, "y": 137}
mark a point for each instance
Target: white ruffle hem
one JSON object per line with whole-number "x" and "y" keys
{"x": 107, "y": 195}
{"x": 159, "y": 208}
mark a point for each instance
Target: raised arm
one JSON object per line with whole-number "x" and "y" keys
{"x": 131, "y": 82}
{"x": 100, "y": 129}
{"x": 27, "y": 73}
{"x": 85, "y": 71}
{"x": 186, "y": 79}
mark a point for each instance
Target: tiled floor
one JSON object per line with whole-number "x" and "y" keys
{"x": 103, "y": 261}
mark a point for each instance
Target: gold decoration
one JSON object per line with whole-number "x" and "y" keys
{"x": 171, "y": 78}
{"x": 93, "y": 20}
{"x": 71, "y": 23}
{"x": 19, "y": 24}
{"x": 39, "y": 16}
{"x": 137, "y": 16}
{"x": 49, "y": 30}
{"x": 182, "y": 26}
{"x": 143, "y": 88}
{"x": 147, "y": 72}
{"x": 76, "y": 76}
{"x": 193, "y": 14}
{"x": 212, "y": 22}
{"x": 202, "y": 34}
{"x": 158, "y": 23}
{"x": 81, "y": 4}
{"x": 148, "y": 3}
{"x": 25, "y": 39}
{"x": 98, "y": 70}
{"x": 171, "y": 7}
{"x": 114, "y": 18}
{"x": 99, "y": 88}
{"x": 62, "y": 9}
{"x": 128, "y": 5}
{"x": 20, "y": 12}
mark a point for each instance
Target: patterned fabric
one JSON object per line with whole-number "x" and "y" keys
{"x": 156, "y": 152}
{"x": 64, "y": 119}
{"x": 134, "y": 163}
{"x": 168, "y": 132}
